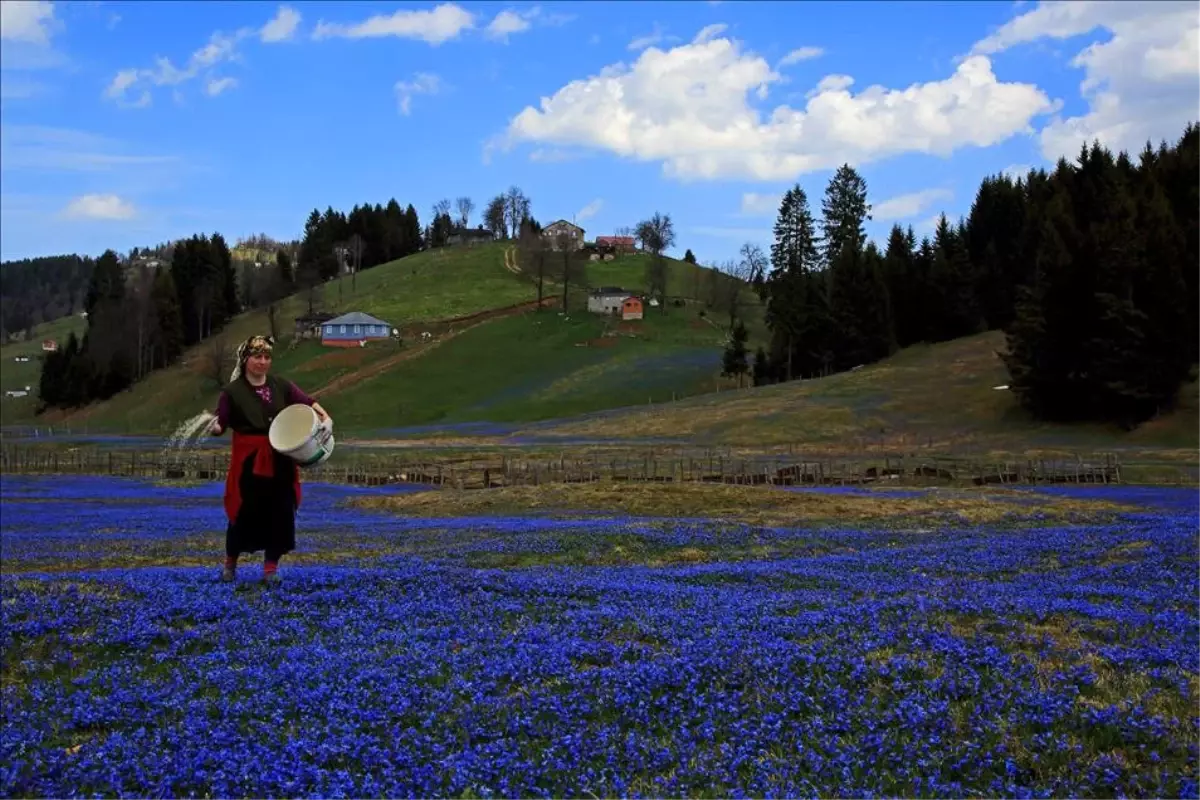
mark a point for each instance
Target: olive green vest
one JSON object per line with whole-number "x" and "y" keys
{"x": 247, "y": 413}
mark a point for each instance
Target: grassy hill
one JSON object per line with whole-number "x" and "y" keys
{"x": 931, "y": 398}
{"x": 502, "y": 365}
{"x": 19, "y": 374}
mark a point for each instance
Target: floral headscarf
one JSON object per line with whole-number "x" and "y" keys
{"x": 254, "y": 346}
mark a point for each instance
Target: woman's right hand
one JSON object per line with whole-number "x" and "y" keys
{"x": 215, "y": 429}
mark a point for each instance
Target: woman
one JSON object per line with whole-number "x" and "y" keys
{"x": 262, "y": 488}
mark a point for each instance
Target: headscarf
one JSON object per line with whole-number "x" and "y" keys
{"x": 254, "y": 346}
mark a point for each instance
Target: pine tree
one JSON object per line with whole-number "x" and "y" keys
{"x": 224, "y": 276}
{"x": 733, "y": 361}
{"x": 954, "y": 309}
{"x": 761, "y": 371}
{"x": 168, "y": 335}
{"x": 844, "y": 211}
{"x": 794, "y": 260}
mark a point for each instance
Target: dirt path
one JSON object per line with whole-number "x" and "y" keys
{"x": 510, "y": 260}
{"x": 349, "y": 379}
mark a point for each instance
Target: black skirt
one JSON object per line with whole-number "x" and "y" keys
{"x": 266, "y": 519}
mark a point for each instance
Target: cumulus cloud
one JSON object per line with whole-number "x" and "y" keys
{"x": 909, "y": 205}
{"x": 801, "y": 54}
{"x": 99, "y": 207}
{"x": 434, "y": 26}
{"x": 1141, "y": 84}
{"x": 590, "y": 210}
{"x": 27, "y": 21}
{"x": 422, "y": 83}
{"x": 282, "y": 26}
{"x": 691, "y": 108}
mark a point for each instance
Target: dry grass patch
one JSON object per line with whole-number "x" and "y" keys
{"x": 759, "y": 505}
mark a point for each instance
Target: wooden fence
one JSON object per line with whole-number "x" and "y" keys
{"x": 469, "y": 473}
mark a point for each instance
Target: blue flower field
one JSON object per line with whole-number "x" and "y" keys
{"x": 547, "y": 656}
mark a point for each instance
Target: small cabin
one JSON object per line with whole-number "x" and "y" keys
{"x": 49, "y": 346}
{"x": 353, "y": 330}
{"x": 607, "y": 299}
{"x": 631, "y": 308}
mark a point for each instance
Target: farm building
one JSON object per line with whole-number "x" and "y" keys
{"x": 470, "y": 236}
{"x": 631, "y": 308}
{"x": 309, "y": 325}
{"x": 619, "y": 244}
{"x": 350, "y": 330}
{"x": 49, "y": 346}
{"x": 607, "y": 299}
{"x": 561, "y": 229}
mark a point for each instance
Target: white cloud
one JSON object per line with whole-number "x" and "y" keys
{"x": 435, "y": 26}
{"x": 1141, "y": 84}
{"x": 760, "y": 205}
{"x": 509, "y": 22}
{"x": 908, "y": 205}
{"x": 801, "y": 54}
{"x": 590, "y": 210}
{"x": 218, "y": 85}
{"x": 282, "y": 26}
{"x": 220, "y": 48}
{"x": 27, "y": 21}
{"x": 505, "y": 24}
{"x": 422, "y": 83}
{"x": 710, "y": 32}
{"x": 687, "y": 107}
{"x": 99, "y": 206}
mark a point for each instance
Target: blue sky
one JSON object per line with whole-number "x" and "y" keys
{"x": 127, "y": 124}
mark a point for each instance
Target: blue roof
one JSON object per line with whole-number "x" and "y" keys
{"x": 356, "y": 318}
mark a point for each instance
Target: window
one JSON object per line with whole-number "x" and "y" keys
{"x": 370, "y": 330}
{"x": 329, "y": 330}
{"x": 343, "y": 329}
{"x": 358, "y": 328}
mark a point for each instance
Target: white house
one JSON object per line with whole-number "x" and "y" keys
{"x": 607, "y": 300}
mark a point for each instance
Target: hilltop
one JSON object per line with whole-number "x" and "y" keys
{"x": 488, "y": 352}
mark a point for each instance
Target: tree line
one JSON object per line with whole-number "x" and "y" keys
{"x": 1090, "y": 269}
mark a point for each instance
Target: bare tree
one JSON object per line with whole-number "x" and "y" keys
{"x": 441, "y": 207}
{"x": 570, "y": 268}
{"x": 656, "y": 235}
{"x": 495, "y": 216}
{"x": 735, "y": 277}
{"x": 465, "y": 207}
{"x": 218, "y": 359}
{"x": 532, "y": 253}
{"x": 754, "y": 263}
{"x": 516, "y": 209}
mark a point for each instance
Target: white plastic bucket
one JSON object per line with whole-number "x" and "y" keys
{"x": 299, "y": 435}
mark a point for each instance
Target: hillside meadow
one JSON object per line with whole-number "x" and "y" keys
{"x": 519, "y": 365}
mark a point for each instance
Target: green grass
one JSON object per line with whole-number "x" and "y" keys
{"x": 536, "y": 365}
{"x": 18, "y": 375}
{"x": 933, "y": 398}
